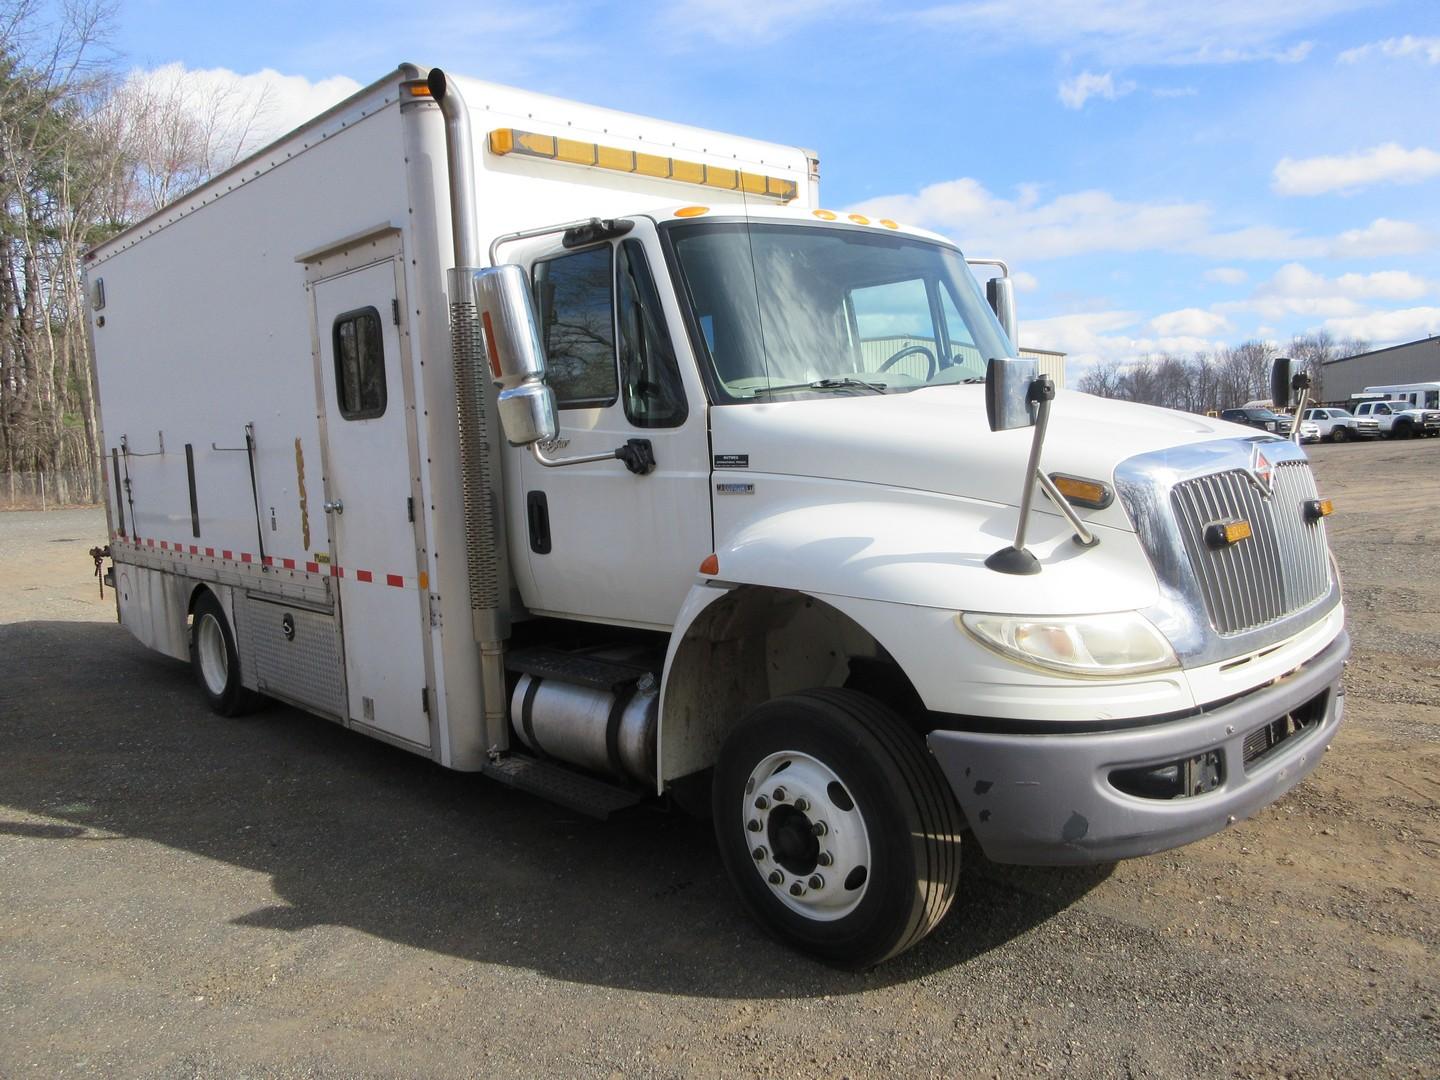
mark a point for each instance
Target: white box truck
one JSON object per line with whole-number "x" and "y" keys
{"x": 591, "y": 453}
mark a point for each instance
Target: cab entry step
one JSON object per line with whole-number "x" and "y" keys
{"x": 565, "y": 787}
{"x": 578, "y": 668}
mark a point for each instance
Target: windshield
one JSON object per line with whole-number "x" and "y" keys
{"x": 800, "y": 310}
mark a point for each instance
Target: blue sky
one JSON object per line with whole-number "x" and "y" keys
{"x": 1161, "y": 175}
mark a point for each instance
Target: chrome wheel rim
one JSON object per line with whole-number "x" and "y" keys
{"x": 214, "y": 657}
{"x": 807, "y": 837}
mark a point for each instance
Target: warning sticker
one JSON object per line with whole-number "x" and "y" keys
{"x": 732, "y": 461}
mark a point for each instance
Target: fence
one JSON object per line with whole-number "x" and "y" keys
{"x": 45, "y": 490}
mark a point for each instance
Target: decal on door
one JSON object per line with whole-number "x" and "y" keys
{"x": 732, "y": 461}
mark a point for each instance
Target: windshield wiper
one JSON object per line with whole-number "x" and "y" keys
{"x": 824, "y": 384}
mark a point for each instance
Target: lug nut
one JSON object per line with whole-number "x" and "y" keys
{"x": 824, "y": 858}
{"x": 775, "y": 877}
{"x": 753, "y": 825}
{"x": 779, "y": 794}
{"x": 762, "y": 803}
{"x": 802, "y": 805}
{"x": 819, "y": 828}
{"x": 817, "y": 882}
{"x": 797, "y": 889}
{"x": 759, "y": 854}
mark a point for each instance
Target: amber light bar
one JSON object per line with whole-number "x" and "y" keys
{"x": 505, "y": 141}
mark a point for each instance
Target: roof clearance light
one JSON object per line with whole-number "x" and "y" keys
{"x": 692, "y": 211}
{"x": 418, "y": 89}
{"x": 860, "y": 219}
{"x": 888, "y": 223}
{"x": 532, "y": 144}
{"x": 824, "y": 215}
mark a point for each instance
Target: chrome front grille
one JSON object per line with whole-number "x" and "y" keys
{"x": 1281, "y": 568}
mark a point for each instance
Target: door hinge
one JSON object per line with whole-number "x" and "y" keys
{"x": 425, "y": 700}
{"x": 410, "y": 508}
{"x": 395, "y": 311}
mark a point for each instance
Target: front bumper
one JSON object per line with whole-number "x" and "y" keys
{"x": 1049, "y": 799}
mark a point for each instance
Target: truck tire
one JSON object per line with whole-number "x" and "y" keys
{"x": 1339, "y": 434}
{"x": 1404, "y": 430}
{"x": 215, "y": 661}
{"x": 836, "y": 826}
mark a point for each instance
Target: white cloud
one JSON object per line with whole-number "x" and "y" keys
{"x": 742, "y": 22}
{"x": 1189, "y": 322}
{"x": 1384, "y": 237}
{"x": 1390, "y": 163}
{"x": 1226, "y": 275}
{"x": 1175, "y": 91}
{"x": 1024, "y": 282}
{"x": 1078, "y": 223}
{"x": 1151, "y": 32}
{"x": 1075, "y": 92}
{"x": 1090, "y": 337}
{"x": 1382, "y": 328}
{"x": 1297, "y": 290}
{"x": 1426, "y": 47}
{"x": 241, "y": 112}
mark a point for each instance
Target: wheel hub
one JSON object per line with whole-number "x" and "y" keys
{"x": 815, "y": 857}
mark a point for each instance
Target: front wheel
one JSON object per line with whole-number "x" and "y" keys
{"x": 836, "y": 826}
{"x": 1339, "y": 435}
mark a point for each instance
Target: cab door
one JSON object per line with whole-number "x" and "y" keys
{"x": 369, "y": 455}
{"x": 601, "y": 542}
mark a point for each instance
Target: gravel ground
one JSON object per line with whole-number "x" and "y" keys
{"x": 182, "y": 895}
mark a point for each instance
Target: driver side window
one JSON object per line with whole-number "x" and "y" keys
{"x": 893, "y": 319}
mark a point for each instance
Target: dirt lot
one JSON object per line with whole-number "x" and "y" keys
{"x": 182, "y": 895}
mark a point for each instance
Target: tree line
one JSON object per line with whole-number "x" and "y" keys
{"x": 1206, "y": 382}
{"x": 85, "y": 151}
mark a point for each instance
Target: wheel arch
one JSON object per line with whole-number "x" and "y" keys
{"x": 735, "y": 648}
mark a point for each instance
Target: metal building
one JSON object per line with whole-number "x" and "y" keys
{"x": 1415, "y": 361}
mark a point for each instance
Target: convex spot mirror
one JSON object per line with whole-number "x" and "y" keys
{"x": 505, "y": 310}
{"x": 1007, "y": 393}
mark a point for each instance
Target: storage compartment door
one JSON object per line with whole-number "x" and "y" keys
{"x": 369, "y": 466}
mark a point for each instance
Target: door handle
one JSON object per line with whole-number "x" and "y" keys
{"x": 336, "y": 507}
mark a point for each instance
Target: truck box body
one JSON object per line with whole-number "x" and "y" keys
{"x": 591, "y": 453}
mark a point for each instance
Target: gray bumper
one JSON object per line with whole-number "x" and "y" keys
{"x": 1047, "y": 799}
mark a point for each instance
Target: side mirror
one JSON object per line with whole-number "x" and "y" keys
{"x": 1280, "y": 382}
{"x": 506, "y": 313}
{"x": 1007, "y": 393}
{"x": 1000, "y": 291}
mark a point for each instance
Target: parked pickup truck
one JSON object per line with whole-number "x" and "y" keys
{"x": 1340, "y": 425}
{"x": 1398, "y": 419}
{"x": 1264, "y": 419}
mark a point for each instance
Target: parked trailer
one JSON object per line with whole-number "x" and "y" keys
{"x": 550, "y": 442}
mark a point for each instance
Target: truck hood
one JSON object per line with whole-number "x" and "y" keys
{"x": 937, "y": 439}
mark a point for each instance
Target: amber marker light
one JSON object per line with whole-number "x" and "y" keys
{"x": 1078, "y": 490}
{"x": 825, "y": 215}
{"x": 710, "y": 566}
{"x": 1315, "y": 509}
{"x": 888, "y": 223}
{"x": 1223, "y": 534}
{"x": 692, "y": 211}
{"x": 860, "y": 219}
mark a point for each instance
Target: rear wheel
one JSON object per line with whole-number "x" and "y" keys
{"x": 215, "y": 660}
{"x": 836, "y": 826}
{"x": 1339, "y": 434}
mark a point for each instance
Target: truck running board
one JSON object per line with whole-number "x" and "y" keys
{"x": 583, "y": 794}
{"x": 578, "y": 668}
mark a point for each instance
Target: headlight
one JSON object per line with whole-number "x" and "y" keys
{"x": 1124, "y": 643}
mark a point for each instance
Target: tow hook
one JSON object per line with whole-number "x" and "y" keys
{"x": 100, "y": 554}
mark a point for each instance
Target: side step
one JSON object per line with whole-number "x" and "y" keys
{"x": 577, "y": 668}
{"x": 584, "y": 795}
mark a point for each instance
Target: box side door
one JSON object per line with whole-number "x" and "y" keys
{"x": 371, "y": 469}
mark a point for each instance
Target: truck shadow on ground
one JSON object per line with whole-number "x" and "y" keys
{"x": 103, "y": 736}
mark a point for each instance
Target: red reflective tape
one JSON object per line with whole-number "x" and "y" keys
{"x": 194, "y": 550}
{"x": 337, "y": 571}
{"x": 394, "y": 579}
{"x": 267, "y": 560}
{"x": 312, "y": 567}
{"x": 210, "y": 552}
{"x": 245, "y": 556}
{"x": 289, "y": 563}
{"x": 364, "y": 575}
{"x": 164, "y": 546}
{"x": 227, "y": 555}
